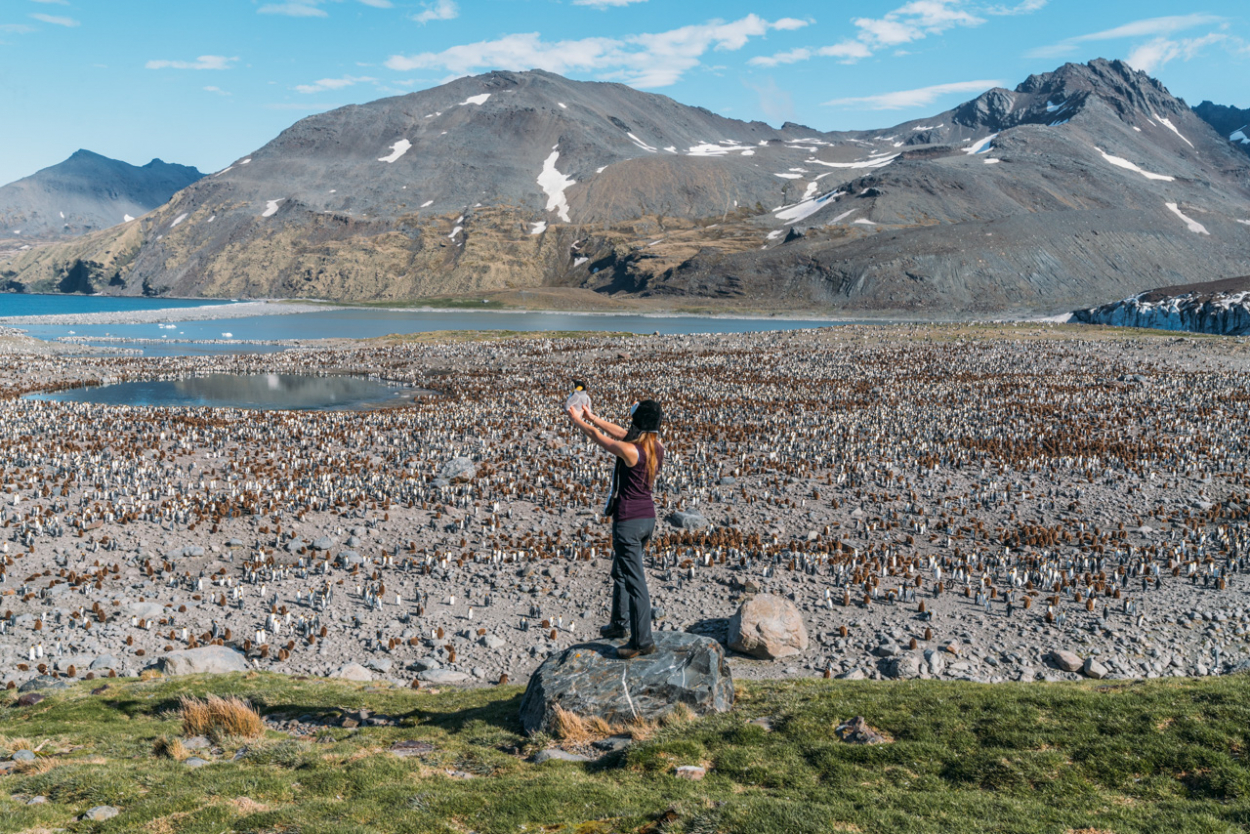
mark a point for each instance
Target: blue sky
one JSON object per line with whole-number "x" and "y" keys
{"x": 202, "y": 83}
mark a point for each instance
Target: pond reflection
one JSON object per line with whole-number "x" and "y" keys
{"x": 276, "y": 392}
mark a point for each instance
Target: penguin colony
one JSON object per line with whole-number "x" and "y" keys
{"x": 976, "y": 498}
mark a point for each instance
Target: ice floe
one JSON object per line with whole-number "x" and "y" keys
{"x": 1193, "y": 225}
{"x": 1121, "y": 162}
{"x": 397, "y": 150}
{"x": 553, "y": 184}
{"x": 476, "y": 99}
{"x": 271, "y": 208}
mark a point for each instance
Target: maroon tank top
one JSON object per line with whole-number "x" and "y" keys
{"x": 636, "y": 500}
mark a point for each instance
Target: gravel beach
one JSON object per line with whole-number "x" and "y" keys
{"x": 991, "y": 503}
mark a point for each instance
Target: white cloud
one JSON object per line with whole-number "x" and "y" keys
{"x": 16, "y": 28}
{"x": 910, "y": 22}
{"x": 1153, "y": 54}
{"x": 913, "y": 98}
{"x": 204, "y": 62}
{"x": 57, "y": 2}
{"x": 292, "y": 10}
{"x": 1149, "y": 56}
{"x": 645, "y": 60}
{"x": 776, "y": 103}
{"x": 379, "y": 4}
{"x": 211, "y": 89}
{"x": 603, "y": 4}
{"x": 791, "y": 56}
{"x": 334, "y": 83}
{"x": 1024, "y": 7}
{"x": 54, "y": 20}
{"x": 441, "y": 10}
{"x": 1151, "y": 26}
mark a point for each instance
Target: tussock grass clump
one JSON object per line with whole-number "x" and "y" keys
{"x": 574, "y": 729}
{"x": 166, "y": 747}
{"x": 220, "y": 717}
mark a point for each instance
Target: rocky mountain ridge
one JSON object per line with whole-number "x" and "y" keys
{"x": 85, "y": 193}
{"x": 1088, "y": 183}
{"x": 1232, "y": 122}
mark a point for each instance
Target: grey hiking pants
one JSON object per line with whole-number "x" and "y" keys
{"x": 631, "y": 603}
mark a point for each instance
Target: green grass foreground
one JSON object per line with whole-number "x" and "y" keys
{"x": 1159, "y": 756}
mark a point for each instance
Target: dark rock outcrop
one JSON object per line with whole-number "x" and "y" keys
{"x": 1232, "y": 122}
{"x": 588, "y": 680}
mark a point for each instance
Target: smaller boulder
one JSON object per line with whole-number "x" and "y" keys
{"x": 1093, "y": 669}
{"x": 1066, "y": 661}
{"x": 688, "y": 521}
{"x": 353, "y": 672}
{"x": 100, "y": 813}
{"x": 458, "y": 469}
{"x": 214, "y": 660}
{"x": 768, "y": 627}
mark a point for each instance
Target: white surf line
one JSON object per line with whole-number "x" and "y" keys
{"x": 1193, "y": 225}
{"x": 245, "y": 309}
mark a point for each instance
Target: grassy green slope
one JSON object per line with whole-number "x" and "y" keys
{"x": 1159, "y": 756}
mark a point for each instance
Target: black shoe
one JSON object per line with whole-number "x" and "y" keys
{"x": 628, "y": 652}
{"x": 611, "y": 632}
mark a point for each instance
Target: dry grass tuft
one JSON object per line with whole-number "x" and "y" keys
{"x": 169, "y": 748}
{"x": 245, "y": 805}
{"x": 575, "y": 729}
{"x": 220, "y": 717}
{"x": 150, "y": 675}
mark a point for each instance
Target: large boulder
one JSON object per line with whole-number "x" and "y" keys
{"x": 1065, "y": 660}
{"x": 589, "y": 680}
{"x": 206, "y": 660}
{"x": 353, "y": 672}
{"x": 768, "y": 627}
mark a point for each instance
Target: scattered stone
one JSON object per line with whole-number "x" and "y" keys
{"x": 100, "y": 813}
{"x": 194, "y": 762}
{"x": 687, "y": 521}
{"x": 1065, "y": 660}
{"x": 858, "y": 731}
{"x": 442, "y": 676}
{"x": 458, "y": 469}
{"x": 1093, "y": 669}
{"x": 29, "y": 699}
{"x": 904, "y": 667}
{"x": 42, "y": 682}
{"x": 767, "y": 627}
{"x": 23, "y": 756}
{"x": 353, "y": 672}
{"x": 692, "y": 772}
{"x": 411, "y": 747}
{"x": 558, "y": 755}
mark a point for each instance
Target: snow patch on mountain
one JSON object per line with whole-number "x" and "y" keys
{"x": 397, "y": 150}
{"x": 554, "y": 184}
{"x": 1193, "y": 225}
{"x": 1166, "y": 123}
{"x": 1121, "y": 162}
{"x": 271, "y": 208}
{"x": 477, "y": 99}
{"x": 982, "y": 146}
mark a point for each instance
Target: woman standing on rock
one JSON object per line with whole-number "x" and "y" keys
{"x": 639, "y": 455}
